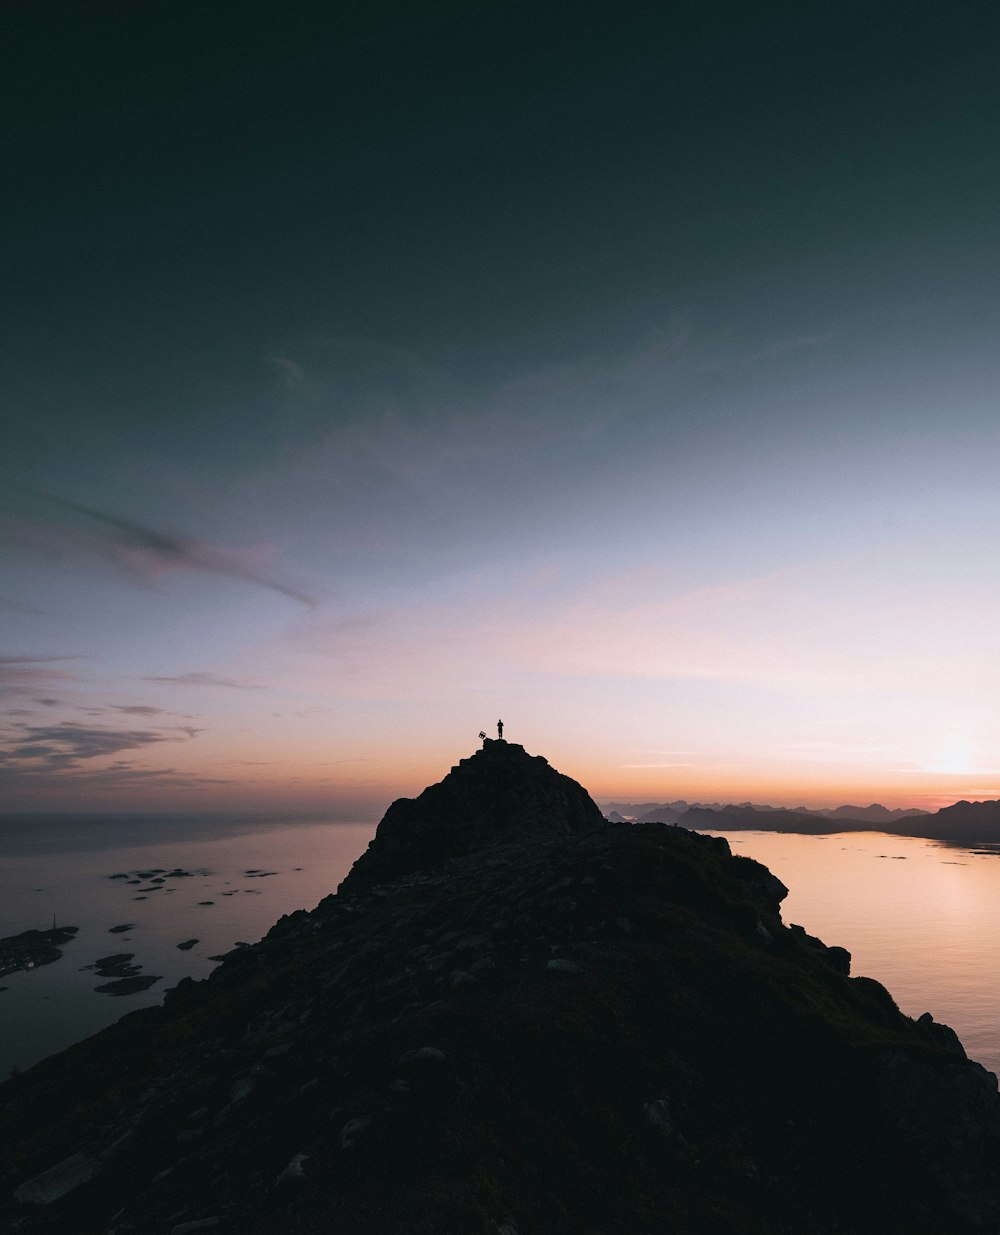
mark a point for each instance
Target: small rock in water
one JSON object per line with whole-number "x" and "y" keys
{"x": 128, "y": 986}
{"x": 206, "y": 902}
{"x": 116, "y": 966}
{"x": 117, "y": 930}
{"x": 186, "y": 945}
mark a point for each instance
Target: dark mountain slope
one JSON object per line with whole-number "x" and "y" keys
{"x": 964, "y": 823}
{"x": 602, "y": 1032}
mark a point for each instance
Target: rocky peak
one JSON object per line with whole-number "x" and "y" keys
{"x": 499, "y": 794}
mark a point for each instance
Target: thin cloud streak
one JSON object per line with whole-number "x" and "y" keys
{"x": 202, "y": 679}
{"x": 146, "y": 553}
{"x": 57, "y": 747}
{"x": 33, "y": 660}
{"x": 23, "y": 674}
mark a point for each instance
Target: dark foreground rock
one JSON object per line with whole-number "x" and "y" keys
{"x": 603, "y": 1032}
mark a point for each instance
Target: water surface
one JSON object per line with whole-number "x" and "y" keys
{"x": 251, "y": 874}
{"x": 921, "y": 917}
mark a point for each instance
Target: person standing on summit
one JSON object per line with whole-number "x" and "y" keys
{"x": 499, "y": 730}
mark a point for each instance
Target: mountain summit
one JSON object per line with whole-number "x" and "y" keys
{"x": 499, "y": 794}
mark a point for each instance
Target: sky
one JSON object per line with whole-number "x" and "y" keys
{"x": 373, "y": 371}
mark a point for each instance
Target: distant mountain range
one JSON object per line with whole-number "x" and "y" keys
{"x": 963, "y": 823}
{"x": 671, "y": 812}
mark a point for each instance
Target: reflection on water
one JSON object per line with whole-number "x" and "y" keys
{"x": 66, "y": 873}
{"x": 921, "y": 917}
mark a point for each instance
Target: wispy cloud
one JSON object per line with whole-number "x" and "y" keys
{"x": 62, "y": 746}
{"x": 33, "y": 660}
{"x": 120, "y": 773}
{"x": 138, "y": 709}
{"x": 147, "y": 553}
{"x": 21, "y": 674}
{"x": 202, "y": 679}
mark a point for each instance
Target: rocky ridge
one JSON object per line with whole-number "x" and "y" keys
{"x": 600, "y": 1030}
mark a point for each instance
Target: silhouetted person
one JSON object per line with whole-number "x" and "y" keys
{"x": 499, "y": 730}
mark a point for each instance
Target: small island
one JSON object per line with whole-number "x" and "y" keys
{"x": 32, "y": 948}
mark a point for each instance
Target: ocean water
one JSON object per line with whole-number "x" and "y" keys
{"x": 250, "y": 873}
{"x": 922, "y": 918}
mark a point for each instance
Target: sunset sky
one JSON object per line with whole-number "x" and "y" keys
{"x": 370, "y": 372}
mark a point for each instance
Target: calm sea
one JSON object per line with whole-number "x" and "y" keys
{"x": 922, "y": 918}
{"x": 244, "y": 877}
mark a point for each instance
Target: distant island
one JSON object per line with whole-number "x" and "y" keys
{"x": 962, "y": 823}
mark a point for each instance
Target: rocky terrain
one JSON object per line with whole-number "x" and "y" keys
{"x": 551, "y": 1025}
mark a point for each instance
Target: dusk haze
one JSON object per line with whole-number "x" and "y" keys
{"x": 627, "y": 371}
